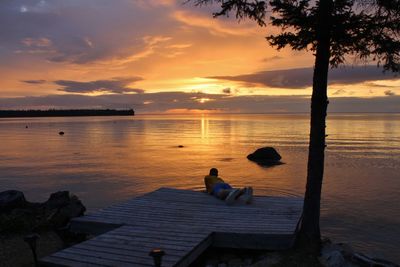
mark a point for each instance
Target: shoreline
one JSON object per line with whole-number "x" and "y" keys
{"x": 64, "y": 113}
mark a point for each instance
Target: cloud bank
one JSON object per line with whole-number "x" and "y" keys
{"x": 164, "y": 102}
{"x": 116, "y": 85}
{"x": 302, "y": 77}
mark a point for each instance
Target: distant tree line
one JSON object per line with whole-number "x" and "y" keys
{"x": 65, "y": 113}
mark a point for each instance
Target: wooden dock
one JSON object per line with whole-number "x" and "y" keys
{"x": 184, "y": 224}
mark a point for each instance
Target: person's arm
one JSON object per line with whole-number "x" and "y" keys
{"x": 207, "y": 182}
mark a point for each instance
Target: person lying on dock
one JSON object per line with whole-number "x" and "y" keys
{"x": 217, "y": 187}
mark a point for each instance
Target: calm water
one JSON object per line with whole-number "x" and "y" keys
{"x": 109, "y": 159}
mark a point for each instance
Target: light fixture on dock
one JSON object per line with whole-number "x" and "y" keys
{"x": 157, "y": 255}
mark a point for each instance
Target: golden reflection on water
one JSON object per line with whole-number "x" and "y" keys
{"x": 136, "y": 155}
{"x": 204, "y": 127}
{"x": 106, "y": 160}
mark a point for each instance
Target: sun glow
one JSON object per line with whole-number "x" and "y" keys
{"x": 203, "y": 100}
{"x": 191, "y": 111}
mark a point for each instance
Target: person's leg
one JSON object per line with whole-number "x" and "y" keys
{"x": 233, "y": 195}
{"x": 223, "y": 193}
{"x": 248, "y": 195}
{"x": 229, "y": 194}
{"x": 241, "y": 192}
{"x": 222, "y": 190}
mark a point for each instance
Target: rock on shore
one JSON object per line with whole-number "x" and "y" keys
{"x": 19, "y": 215}
{"x": 11, "y": 199}
{"x": 342, "y": 255}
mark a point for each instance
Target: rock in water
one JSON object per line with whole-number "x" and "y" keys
{"x": 265, "y": 155}
{"x": 11, "y": 199}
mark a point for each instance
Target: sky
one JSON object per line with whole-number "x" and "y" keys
{"x": 164, "y": 56}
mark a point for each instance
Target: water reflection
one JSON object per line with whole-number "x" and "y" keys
{"x": 106, "y": 160}
{"x": 204, "y": 127}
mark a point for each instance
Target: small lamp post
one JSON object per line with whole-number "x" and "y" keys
{"x": 32, "y": 242}
{"x": 157, "y": 255}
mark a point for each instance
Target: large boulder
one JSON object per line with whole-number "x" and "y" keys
{"x": 58, "y": 199}
{"x": 332, "y": 258}
{"x": 265, "y": 155}
{"x": 11, "y": 199}
{"x": 62, "y": 207}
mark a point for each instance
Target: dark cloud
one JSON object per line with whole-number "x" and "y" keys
{"x": 34, "y": 81}
{"x": 293, "y": 78}
{"x": 76, "y": 31}
{"x": 372, "y": 84}
{"x": 389, "y": 93}
{"x": 161, "y": 102}
{"x": 116, "y": 85}
{"x": 226, "y": 90}
{"x": 366, "y": 105}
{"x": 339, "y": 92}
{"x": 302, "y": 77}
{"x": 273, "y": 58}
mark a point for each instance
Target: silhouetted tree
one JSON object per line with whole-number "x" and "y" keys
{"x": 333, "y": 30}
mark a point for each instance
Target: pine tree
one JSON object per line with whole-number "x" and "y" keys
{"x": 334, "y": 30}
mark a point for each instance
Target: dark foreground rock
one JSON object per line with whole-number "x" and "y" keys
{"x": 14, "y": 251}
{"x": 11, "y": 199}
{"x": 19, "y": 215}
{"x": 62, "y": 207}
{"x": 342, "y": 255}
{"x": 265, "y": 156}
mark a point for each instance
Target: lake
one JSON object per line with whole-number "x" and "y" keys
{"x": 105, "y": 160}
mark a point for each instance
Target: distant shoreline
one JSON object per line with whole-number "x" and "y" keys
{"x": 65, "y": 113}
{"x": 268, "y": 113}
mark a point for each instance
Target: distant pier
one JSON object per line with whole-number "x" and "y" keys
{"x": 183, "y": 224}
{"x": 65, "y": 113}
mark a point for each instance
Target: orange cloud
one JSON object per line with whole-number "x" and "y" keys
{"x": 215, "y": 26}
{"x": 154, "y": 3}
{"x": 151, "y": 43}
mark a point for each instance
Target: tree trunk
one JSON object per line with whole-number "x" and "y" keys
{"x": 310, "y": 229}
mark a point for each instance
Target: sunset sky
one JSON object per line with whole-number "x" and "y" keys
{"x": 161, "y": 56}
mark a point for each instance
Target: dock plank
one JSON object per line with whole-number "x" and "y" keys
{"x": 184, "y": 224}
{"x": 60, "y": 261}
